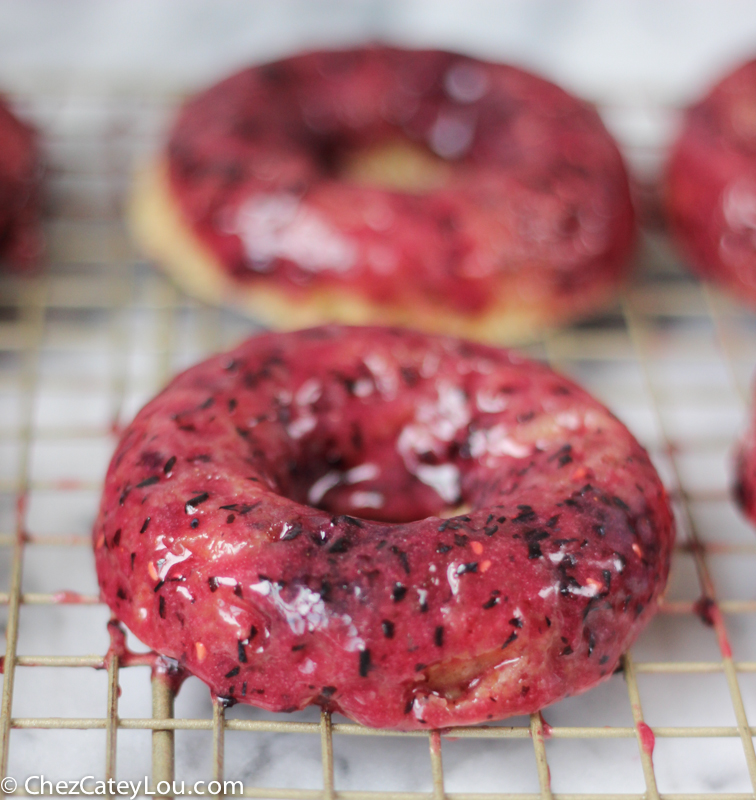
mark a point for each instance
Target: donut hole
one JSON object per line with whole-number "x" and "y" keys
{"x": 377, "y": 487}
{"x": 397, "y": 165}
{"x": 368, "y": 466}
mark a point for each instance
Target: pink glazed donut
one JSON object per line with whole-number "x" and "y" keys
{"x": 416, "y": 531}
{"x": 711, "y": 185}
{"x": 20, "y": 179}
{"x": 415, "y": 188}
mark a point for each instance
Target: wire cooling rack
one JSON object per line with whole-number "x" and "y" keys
{"x": 86, "y": 342}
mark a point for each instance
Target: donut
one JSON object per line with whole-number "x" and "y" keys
{"x": 745, "y": 472}
{"x": 20, "y": 174}
{"x": 710, "y": 191}
{"x": 416, "y": 531}
{"x": 390, "y": 186}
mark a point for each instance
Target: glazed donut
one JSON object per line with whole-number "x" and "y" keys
{"x": 277, "y": 521}
{"x": 711, "y": 184}
{"x": 745, "y": 472}
{"x": 383, "y": 185}
{"x": 20, "y": 177}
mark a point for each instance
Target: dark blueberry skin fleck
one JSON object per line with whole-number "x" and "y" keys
{"x": 398, "y": 593}
{"x": 195, "y": 501}
{"x": 492, "y": 601}
{"x": 288, "y": 585}
{"x": 365, "y": 664}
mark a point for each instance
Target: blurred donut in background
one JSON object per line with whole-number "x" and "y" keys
{"x": 381, "y": 185}
{"x": 20, "y": 180}
{"x": 711, "y": 184}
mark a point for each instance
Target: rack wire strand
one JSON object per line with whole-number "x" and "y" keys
{"x": 708, "y": 591}
{"x": 84, "y": 233}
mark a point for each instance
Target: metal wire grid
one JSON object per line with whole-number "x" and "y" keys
{"x": 93, "y": 271}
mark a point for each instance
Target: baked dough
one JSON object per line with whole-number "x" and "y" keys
{"x": 285, "y": 192}
{"x": 277, "y": 521}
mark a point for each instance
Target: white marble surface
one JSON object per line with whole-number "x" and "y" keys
{"x": 663, "y": 49}
{"x": 639, "y": 59}
{"x": 631, "y": 56}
